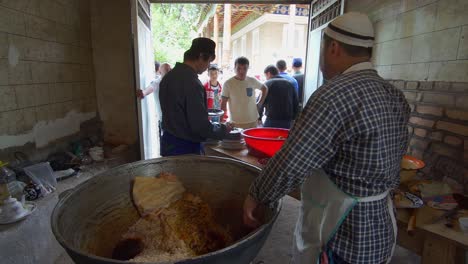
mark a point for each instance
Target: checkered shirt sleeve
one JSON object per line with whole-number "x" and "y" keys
{"x": 355, "y": 128}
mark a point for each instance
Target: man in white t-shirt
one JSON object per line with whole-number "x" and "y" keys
{"x": 239, "y": 91}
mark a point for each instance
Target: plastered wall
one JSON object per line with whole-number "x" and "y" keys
{"x": 46, "y": 73}
{"x": 114, "y": 72}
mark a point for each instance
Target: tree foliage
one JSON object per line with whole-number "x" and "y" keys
{"x": 173, "y": 27}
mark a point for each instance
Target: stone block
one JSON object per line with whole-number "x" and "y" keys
{"x": 86, "y": 73}
{"x": 85, "y": 56}
{"x": 75, "y": 71}
{"x": 29, "y": 48}
{"x": 411, "y": 96}
{"x": 19, "y": 5}
{"x": 25, "y": 96}
{"x": 3, "y": 45}
{"x": 420, "y": 132}
{"x": 19, "y": 73}
{"x": 11, "y": 21}
{"x": 436, "y": 46}
{"x": 459, "y": 87}
{"x": 44, "y": 113}
{"x": 399, "y": 84}
{"x": 73, "y": 17}
{"x": 417, "y": 153}
{"x": 414, "y": 72}
{"x": 56, "y": 52}
{"x": 442, "y": 86}
{"x": 457, "y": 114}
{"x": 60, "y": 92}
{"x": 67, "y": 34}
{"x": 446, "y": 150}
{"x": 385, "y": 30}
{"x": 454, "y": 141}
{"x": 90, "y": 106}
{"x": 453, "y": 127}
{"x": 40, "y": 28}
{"x": 43, "y": 72}
{"x": 439, "y": 99}
{"x": 420, "y": 144}
{"x": 462, "y": 102}
{"x": 385, "y": 53}
{"x": 84, "y": 38}
{"x": 3, "y": 72}
{"x": 412, "y": 85}
{"x": 382, "y": 9}
{"x": 88, "y": 90}
{"x": 426, "y": 86}
{"x": 42, "y": 94}
{"x": 430, "y": 110}
{"x": 421, "y": 121}
{"x": 436, "y": 135}
{"x": 401, "y": 51}
{"x": 463, "y": 46}
{"x": 451, "y": 13}
{"x": 410, "y": 130}
{"x": 421, "y": 48}
{"x": 26, "y": 119}
{"x": 444, "y": 44}
{"x": 7, "y": 98}
{"x": 44, "y": 8}
{"x": 451, "y": 71}
{"x": 416, "y": 22}
{"x": 77, "y": 91}
{"x": 408, "y": 5}
{"x": 8, "y": 122}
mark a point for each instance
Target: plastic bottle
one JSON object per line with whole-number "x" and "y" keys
{"x": 6, "y": 176}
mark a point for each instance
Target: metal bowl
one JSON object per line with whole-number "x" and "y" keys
{"x": 89, "y": 220}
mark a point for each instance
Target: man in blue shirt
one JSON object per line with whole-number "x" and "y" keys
{"x": 281, "y": 65}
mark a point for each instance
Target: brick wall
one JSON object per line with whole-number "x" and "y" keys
{"x": 45, "y": 63}
{"x": 439, "y": 127}
{"x": 422, "y": 46}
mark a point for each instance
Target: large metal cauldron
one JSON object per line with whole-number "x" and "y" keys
{"x": 89, "y": 220}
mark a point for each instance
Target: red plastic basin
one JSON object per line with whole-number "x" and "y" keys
{"x": 265, "y": 142}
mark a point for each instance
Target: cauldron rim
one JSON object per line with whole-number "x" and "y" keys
{"x": 68, "y": 193}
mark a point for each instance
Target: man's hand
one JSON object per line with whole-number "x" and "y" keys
{"x": 259, "y": 123}
{"x": 229, "y": 126}
{"x": 250, "y": 205}
{"x": 140, "y": 94}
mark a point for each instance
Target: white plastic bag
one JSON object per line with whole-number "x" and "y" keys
{"x": 42, "y": 175}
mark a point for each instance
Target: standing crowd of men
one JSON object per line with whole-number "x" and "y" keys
{"x": 344, "y": 149}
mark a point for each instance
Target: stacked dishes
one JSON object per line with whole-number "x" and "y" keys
{"x": 234, "y": 140}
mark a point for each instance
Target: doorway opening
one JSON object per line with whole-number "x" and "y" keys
{"x": 264, "y": 33}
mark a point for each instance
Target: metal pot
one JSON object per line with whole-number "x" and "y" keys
{"x": 89, "y": 220}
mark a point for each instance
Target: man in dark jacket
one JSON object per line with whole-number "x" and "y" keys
{"x": 185, "y": 121}
{"x": 299, "y": 76}
{"x": 281, "y": 103}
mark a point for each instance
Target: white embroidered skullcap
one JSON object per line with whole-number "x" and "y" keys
{"x": 352, "y": 28}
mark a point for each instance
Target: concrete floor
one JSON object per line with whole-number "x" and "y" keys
{"x": 277, "y": 249}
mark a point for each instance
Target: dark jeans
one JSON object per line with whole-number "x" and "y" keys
{"x": 277, "y": 123}
{"x": 174, "y": 146}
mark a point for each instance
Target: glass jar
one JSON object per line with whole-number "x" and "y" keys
{"x": 6, "y": 176}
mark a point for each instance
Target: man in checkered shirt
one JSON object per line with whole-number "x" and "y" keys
{"x": 354, "y": 128}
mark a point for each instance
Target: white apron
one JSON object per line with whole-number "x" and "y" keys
{"x": 324, "y": 207}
